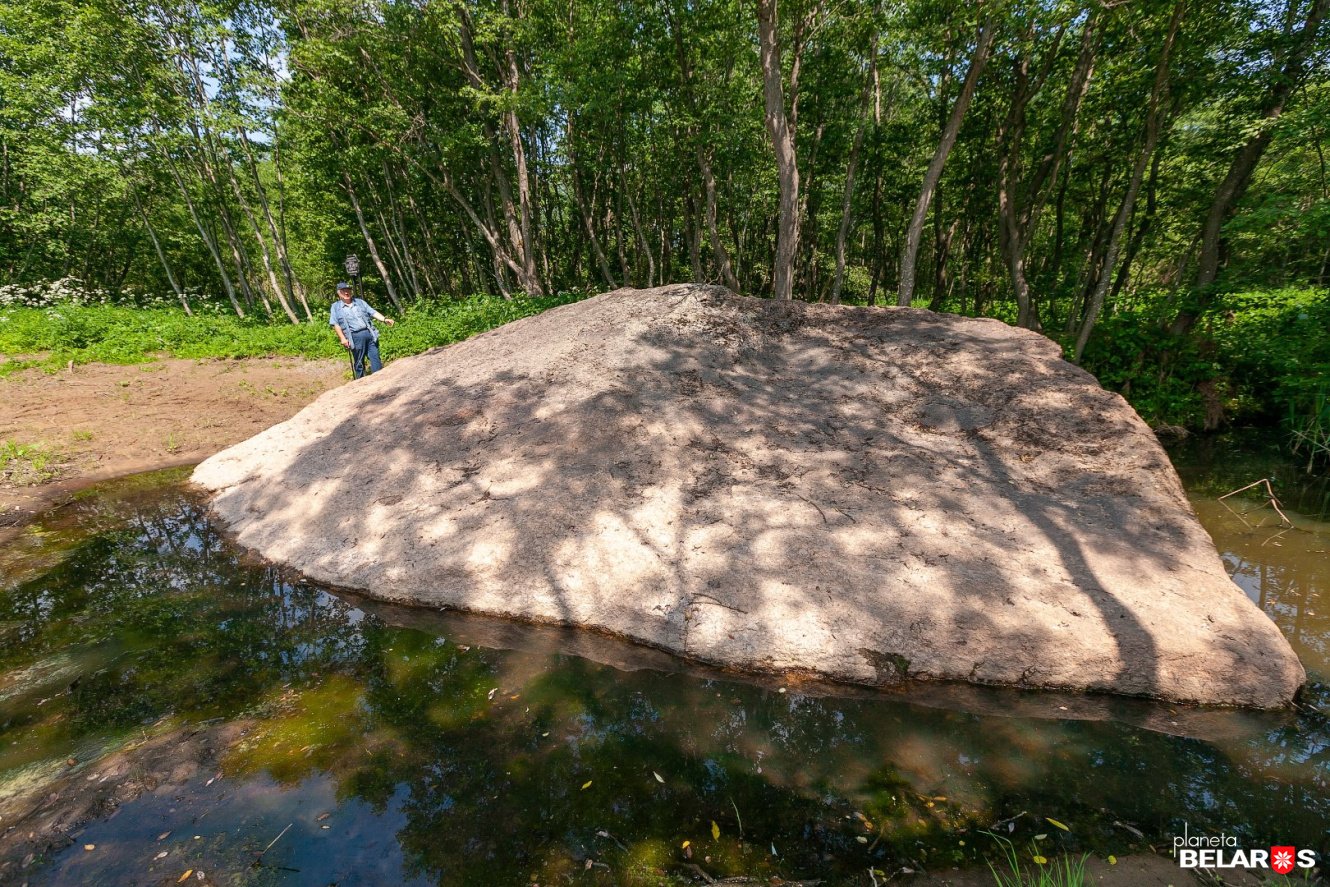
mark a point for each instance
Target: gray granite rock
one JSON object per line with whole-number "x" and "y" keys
{"x": 857, "y": 494}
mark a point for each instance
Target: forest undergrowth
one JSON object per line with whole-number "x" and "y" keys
{"x": 1254, "y": 358}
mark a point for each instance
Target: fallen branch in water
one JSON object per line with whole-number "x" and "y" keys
{"x": 1269, "y": 492}
{"x": 258, "y": 860}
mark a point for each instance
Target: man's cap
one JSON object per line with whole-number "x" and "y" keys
{"x": 343, "y": 285}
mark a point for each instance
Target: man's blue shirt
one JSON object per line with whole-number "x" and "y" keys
{"x": 351, "y": 318}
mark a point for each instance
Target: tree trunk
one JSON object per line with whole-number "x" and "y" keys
{"x": 1018, "y": 222}
{"x": 263, "y": 250}
{"x": 692, "y": 234}
{"x": 846, "y": 203}
{"x": 406, "y": 274}
{"x": 208, "y": 240}
{"x": 161, "y": 254}
{"x": 637, "y": 228}
{"x": 524, "y": 198}
{"x": 518, "y": 221}
{"x": 718, "y": 251}
{"x": 1153, "y": 128}
{"x": 1142, "y": 230}
{"x": 914, "y": 233}
{"x": 583, "y": 210}
{"x": 369, "y": 241}
{"x": 782, "y": 142}
{"x": 293, "y": 290}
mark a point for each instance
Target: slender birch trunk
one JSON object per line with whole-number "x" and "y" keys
{"x": 161, "y": 254}
{"x": 914, "y": 233}
{"x": 1153, "y": 127}
{"x": 851, "y": 166}
{"x": 208, "y": 240}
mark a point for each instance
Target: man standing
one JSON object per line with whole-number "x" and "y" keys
{"x": 353, "y": 320}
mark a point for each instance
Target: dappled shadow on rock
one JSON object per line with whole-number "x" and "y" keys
{"x": 864, "y": 495}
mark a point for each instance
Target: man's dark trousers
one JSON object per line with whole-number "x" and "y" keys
{"x": 363, "y": 346}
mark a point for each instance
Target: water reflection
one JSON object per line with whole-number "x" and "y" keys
{"x": 435, "y": 752}
{"x": 1284, "y": 569}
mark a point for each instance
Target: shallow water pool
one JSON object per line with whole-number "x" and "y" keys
{"x": 383, "y": 745}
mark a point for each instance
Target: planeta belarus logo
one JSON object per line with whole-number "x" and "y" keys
{"x": 1224, "y": 851}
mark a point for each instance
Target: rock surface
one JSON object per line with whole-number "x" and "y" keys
{"x": 861, "y": 494}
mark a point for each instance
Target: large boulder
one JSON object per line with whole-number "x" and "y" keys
{"x": 860, "y": 494}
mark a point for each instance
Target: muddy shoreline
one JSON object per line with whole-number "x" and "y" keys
{"x": 95, "y": 422}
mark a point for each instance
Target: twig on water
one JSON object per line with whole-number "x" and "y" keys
{"x": 1135, "y": 831}
{"x": 1001, "y": 822}
{"x": 1269, "y": 492}
{"x": 258, "y": 860}
{"x": 1275, "y": 536}
{"x": 697, "y": 870}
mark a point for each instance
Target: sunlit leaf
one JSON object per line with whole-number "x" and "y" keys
{"x": 1112, "y": 860}
{"x": 715, "y": 830}
{"x": 1058, "y": 824}
{"x": 659, "y": 778}
{"x": 185, "y": 877}
{"x": 586, "y": 785}
{"x": 1042, "y": 860}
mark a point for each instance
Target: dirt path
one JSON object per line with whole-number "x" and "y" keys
{"x": 100, "y": 420}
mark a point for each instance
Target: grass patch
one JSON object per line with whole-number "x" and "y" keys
{"x": 1010, "y": 871}
{"x": 1309, "y": 426}
{"x": 24, "y": 465}
{"x": 9, "y": 367}
{"x": 128, "y": 335}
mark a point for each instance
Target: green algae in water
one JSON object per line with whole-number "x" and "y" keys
{"x": 414, "y": 755}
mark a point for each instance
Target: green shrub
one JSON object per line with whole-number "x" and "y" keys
{"x": 1258, "y": 356}
{"x": 124, "y": 335}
